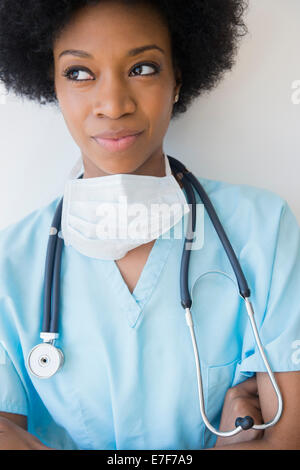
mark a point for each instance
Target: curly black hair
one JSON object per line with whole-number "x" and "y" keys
{"x": 204, "y": 35}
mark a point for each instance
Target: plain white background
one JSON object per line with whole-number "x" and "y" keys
{"x": 247, "y": 130}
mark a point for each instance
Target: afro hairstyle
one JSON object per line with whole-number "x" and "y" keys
{"x": 204, "y": 36}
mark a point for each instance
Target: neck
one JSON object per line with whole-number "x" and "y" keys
{"x": 152, "y": 166}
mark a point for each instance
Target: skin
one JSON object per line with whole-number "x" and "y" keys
{"x": 114, "y": 97}
{"x": 115, "y": 94}
{"x": 241, "y": 401}
{"x": 118, "y": 91}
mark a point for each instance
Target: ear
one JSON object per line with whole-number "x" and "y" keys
{"x": 178, "y": 78}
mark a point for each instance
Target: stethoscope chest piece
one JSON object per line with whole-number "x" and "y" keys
{"x": 44, "y": 360}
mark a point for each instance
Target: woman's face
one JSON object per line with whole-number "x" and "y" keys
{"x": 109, "y": 86}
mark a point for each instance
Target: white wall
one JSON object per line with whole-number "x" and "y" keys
{"x": 245, "y": 131}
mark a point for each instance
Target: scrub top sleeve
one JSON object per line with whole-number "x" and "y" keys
{"x": 279, "y": 324}
{"x": 12, "y": 393}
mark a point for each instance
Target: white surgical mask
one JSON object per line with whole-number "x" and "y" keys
{"x": 107, "y": 216}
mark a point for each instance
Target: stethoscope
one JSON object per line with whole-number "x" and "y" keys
{"x": 44, "y": 360}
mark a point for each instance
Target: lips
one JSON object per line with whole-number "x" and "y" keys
{"x": 117, "y": 143}
{"x": 117, "y": 134}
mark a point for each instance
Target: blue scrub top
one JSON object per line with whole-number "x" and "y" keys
{"x": 129, "y": 377}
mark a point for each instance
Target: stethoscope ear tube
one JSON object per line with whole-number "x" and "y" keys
{"x": 189, "y": 321}
{"x": 241, "y": 280}
{"x": 186, "y": 301}
{"x": 242, "y": 424}
{"x": 267, "y": 366}
{"x": 188, "y": 180}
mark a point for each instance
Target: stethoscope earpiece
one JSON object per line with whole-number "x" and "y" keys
{"x": 246, "y": 423}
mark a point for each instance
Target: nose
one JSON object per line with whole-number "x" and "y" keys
{"x": 113, "y": 97}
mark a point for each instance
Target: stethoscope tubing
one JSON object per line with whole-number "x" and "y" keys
{"x": 52, "y": 286}
{"x": 250, "y": 312}
{"x": 188, "y": 177}
{"x": 50, "y": 318}
{"x": 188, "y": 180}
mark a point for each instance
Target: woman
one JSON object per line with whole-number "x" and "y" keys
{"x": 118, "y": 68}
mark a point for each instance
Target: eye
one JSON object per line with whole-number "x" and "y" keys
{"x": 73, "y": 73}
{"x": 148, "y": 65}
{"x": 70, "y": 71}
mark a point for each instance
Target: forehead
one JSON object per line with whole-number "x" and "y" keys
{"x": 113, "y": 26}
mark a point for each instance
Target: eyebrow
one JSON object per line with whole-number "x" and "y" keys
{"x": 132, "y": 52}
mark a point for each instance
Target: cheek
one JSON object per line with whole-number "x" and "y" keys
{"x": 159, "y": 113}
{"x": 74, "y": 112}
{"x": 159, "y": 99}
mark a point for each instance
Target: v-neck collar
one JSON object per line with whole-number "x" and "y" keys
{"x": 133, "y": 303}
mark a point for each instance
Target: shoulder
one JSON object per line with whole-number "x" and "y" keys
{"x": 245, "y": 208}
{"x": 29, "y": 227}
{"x": 24, "y": 242}
{"x": 241, "y": 196}
{"x": 258, "y": 223}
